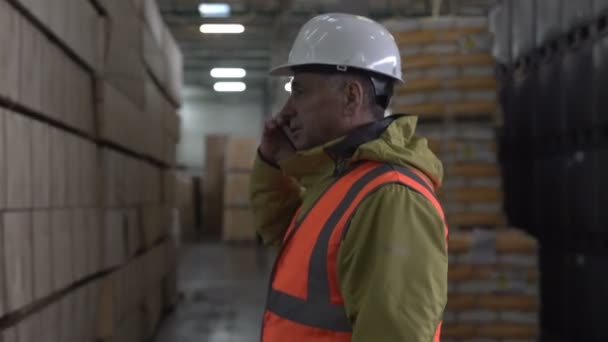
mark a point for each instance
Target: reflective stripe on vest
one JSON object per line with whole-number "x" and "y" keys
{"x": 304, "y": 301}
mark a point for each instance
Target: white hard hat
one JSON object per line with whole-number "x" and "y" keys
{"x": 344, "y": 40}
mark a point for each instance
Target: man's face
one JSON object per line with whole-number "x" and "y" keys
{"x": 313, "y": 112}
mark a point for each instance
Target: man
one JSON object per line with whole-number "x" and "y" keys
{"x": 349, "y": 195}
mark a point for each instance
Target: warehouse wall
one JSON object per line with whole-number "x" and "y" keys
{"x": 206, "y": 113}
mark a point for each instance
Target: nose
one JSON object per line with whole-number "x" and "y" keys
{"x": 288, "y": 112}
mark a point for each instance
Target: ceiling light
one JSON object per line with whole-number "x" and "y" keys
{"x": 216, "y": 10}
{"x": 228, "y": 73}
{"x": 288, "y": 87}
{"x": 229, "y": 86}
{"x": 222, "y": 28}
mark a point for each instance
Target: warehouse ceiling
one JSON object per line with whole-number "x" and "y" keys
{"x": 270, "y": 26}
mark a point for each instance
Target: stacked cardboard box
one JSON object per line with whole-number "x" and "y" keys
{"x": 131, "y": 95}
{"x": 140, "y": 183}
{"x": 50, "y": 218}
{"x": 136, "y": 216}
{"x": 39, "y": 76}
{"x": 493, "y": 287}
{"x": 447, "y": 66}
{"x": 137, "y": 292}
{"x": 80, "y": 28}
{"x": 228, "y": 164}
{"x": 69, "y": 318}
{"x": 238, "y": 217}
{"x": 186, "y": 205}
{"x": 213, "y": 182}
{"x": 85, "y": 177}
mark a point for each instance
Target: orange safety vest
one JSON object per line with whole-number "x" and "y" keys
{"x": 304, "y": 300}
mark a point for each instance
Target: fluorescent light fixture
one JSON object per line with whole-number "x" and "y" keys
{"x": 229, "y": 86}
{"x": 288, "y": 87}
{"x": 215, "y": 10}
{"x": 222, "y": 28}
{"x": 228, "y": 73}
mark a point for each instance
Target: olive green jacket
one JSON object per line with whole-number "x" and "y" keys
{"x": 392, "y": 264}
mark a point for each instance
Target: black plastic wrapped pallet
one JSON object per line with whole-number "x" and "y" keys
{"x": 575, "y": 13}
{"x": 500, "y": 27}
{"x": 549, "y": 193}
{"x": 587, "y": 298}
{"x": 524, "y": 110}
{"x": 596, "y": 283}
{"x": 587, "y": 188}
{"x": 518, "y": 202}
{"x": 537, "y": 200}
{"x": 523, "y": 171}
{"x": 509, "y": 181}
{"x": 510, "y": 161}
{"x": 515, "y": 154}
{"x": 579, "y": 190}
{"x": 577, "y": 85}
{"x": 509, "y": 102}
{"x": 550, "y": 119}
{"x": 519, "y": 103}
{"x": 554, "y": 168}
{"x": 600, "y": 6}
{"x": 522, "y": 28}
{"x": 600, "y": 191}
{"x": 600, "y": 64}
{"x": 548, "y": 20}
{"x": 573, "y": 296}
{"x": 526, "y": 89}
{"x": 553, "y": 294}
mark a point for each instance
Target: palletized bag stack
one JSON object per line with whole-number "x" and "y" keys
{"x": 493, "y": 287}
{"x": 450, "y": 85}
{"x": 447, "y": 65}
{"x": 238, "y": 216}
{"x": 471, "y": 194}
{"x": 87, "y": 151}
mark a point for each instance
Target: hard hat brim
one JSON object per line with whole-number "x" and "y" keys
{"x": 286, "y": 70}
{"x": 282, "y": 70}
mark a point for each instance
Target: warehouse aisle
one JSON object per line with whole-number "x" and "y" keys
{"x": 224, "y": 288}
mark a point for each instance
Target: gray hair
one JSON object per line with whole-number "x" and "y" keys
{"x": 340, "y": 81}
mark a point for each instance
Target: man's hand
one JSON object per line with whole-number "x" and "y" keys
{"x": 275, "y": 145}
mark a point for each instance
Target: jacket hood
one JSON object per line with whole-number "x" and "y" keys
{"x": 390, "y": 140}
{"x": 397, "y": 144}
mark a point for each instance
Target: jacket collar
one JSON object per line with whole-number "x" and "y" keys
{"x": 329, "y": 160}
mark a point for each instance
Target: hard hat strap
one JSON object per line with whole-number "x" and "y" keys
{"x": 383, "y": 91}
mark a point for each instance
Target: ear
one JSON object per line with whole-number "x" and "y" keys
{"x": 354, "y": 98}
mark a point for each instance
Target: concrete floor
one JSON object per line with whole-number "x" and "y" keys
{"x": 224, "y": 290}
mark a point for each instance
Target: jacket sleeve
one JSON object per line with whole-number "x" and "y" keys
{"x": 392, "y": 267}
{"x": 274, "y": 199}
